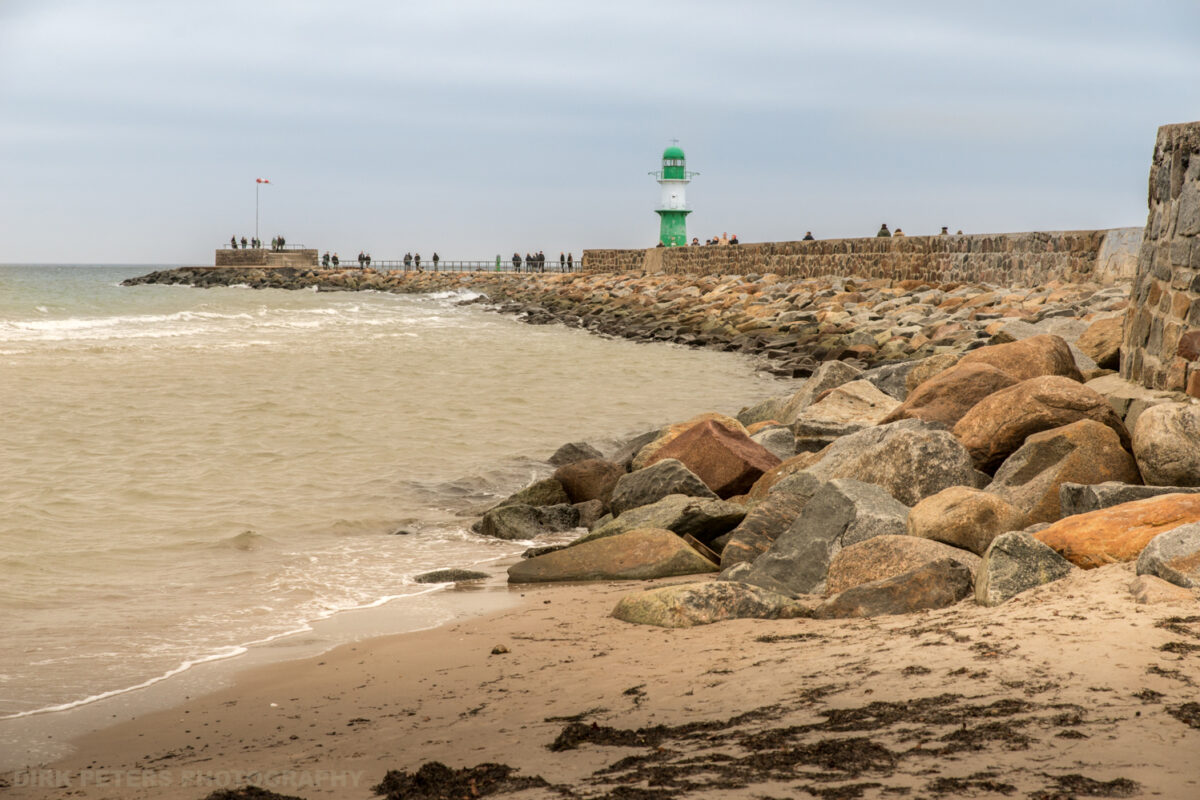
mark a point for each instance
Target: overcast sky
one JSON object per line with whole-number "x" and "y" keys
{"x": 132, "y": 131}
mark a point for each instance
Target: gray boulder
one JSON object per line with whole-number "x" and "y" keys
{"x": 814, "y": 435}
{"x": 1166, "y": 444}
{"x": 767, "y": 521}
{"x": 636, "y": 555}
{"x": 912, "y": 459}
{"x": 1079, "y": 498}
{"x": 626, "y": 452}
{"x": 934, "y": 585}
{"x": 840, "y": 513}
{"x": 450, "y": 576}
{"x": 700, "y": 517}
{"x": 1174, "y": 556}
{"x": 829, "y": 375}
{"x": 574, "y": 451}
{"x": 692, "y": 604}
{"x": 1016, "y": 562}
{"x": 649, "y": 485}
{"x": 891, "y": 378}
{"x": 515, "y": 522}
{"x": 780, "y": 442}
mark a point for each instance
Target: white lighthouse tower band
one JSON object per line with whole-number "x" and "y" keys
{"x": 673, "y": 178}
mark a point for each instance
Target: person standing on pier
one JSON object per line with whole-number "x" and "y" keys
{"x": 233, "y": 242}
{"x": 243, "y": 242}
{"x": 407, "y": 261}
{"x": 417, "y": 261}
{"x": 562, "y": 261}
{"x": 516, "y": 262}
{"x": 336, "y": 260}
{"x": 435, "y": 260}
{"x": 570, "y": 265}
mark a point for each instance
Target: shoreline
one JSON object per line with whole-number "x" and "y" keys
{"x": 1046, "y": 692}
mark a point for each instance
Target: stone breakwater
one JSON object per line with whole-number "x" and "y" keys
{"x": 796, "y": 324}
{"x": 1008, "y": 259}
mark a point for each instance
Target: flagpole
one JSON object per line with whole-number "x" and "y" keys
{"x": 257, "y": 185}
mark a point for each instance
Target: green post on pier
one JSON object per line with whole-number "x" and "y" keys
{"x": 672, "y": 213}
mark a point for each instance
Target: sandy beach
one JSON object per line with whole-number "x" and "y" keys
{"x": 1071, "y": 689}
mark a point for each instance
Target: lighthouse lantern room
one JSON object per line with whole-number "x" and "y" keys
{"x": 672, "y": 213}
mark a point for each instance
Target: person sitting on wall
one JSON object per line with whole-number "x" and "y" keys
{"x": 898, "y": 232}
{"x": 734, "y": 240}
{"x": 960, "y": 233}
{"x": 660, "y": 244}
{"x": 808, "y": 237}
{"x": 724, "y": 239}
{"x": 883, "y": 231}
{"x": 233, "y": 242}
{"x": 944, "y": 232}
{"x": 695, "y": 241}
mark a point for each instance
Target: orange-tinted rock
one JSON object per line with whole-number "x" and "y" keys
{"x": 949, "y": 395}
{"x": 1001, "y": 422}
{"x": 887, "y": 556}
{"x": 1120, "y": 533}
{"x": 590, "y": 479}
{"x": 965, "y": 517}
{"x": 647, "y": 455}
{"x": 728, "y": 462}
{"x": 1083, "y": 452}
{"x": 1101, "y": 342}
{"x": 1034, "y": 357}
{"x": 637, "y": 555}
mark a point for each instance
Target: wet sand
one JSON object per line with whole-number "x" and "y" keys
{"x": 1072, "y": 689}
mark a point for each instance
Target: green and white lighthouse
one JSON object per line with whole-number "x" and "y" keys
{"x": 672, "y": 213}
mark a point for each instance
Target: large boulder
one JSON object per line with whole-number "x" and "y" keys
{"x": 950, "y": 394}
{"x": 912, "y": 459}
{"x": 892, "y": 378}
{"x": 796, "y": 464}
{"x": 840, "y": 513}
{"x": 571, "y": 452}
{"x": 1166, "y": 444}
{"x": 1120, "y": 533}
{"x": 647, "y": 455}
{"x": 937, "y": 584}
{"x": 767, "y": 520}
{"x": 627, "y": 452}
{"x": 1101, "y": 342}
{"x": 926, "y": 368}
{"x": 1174, "y": 556}
{"x": 544, "y": 492}
{"x": 589, "y": 479}
{"x": 1016, "y": 562}
{"x": 519, "y": 522}
{"x": 1001, "y": 422}
{"x": 729, "y": 462}
{"x": 690, "y": 604}
{"x": 1077, "y": 498}
{"x": 1034, "y": 357}
{"x": 829, "y": 375}
{"x": 779, "y": 441}
{"x": 887, "y": 556}
{"x": 1082, "y": 452}
{"x": 964, "y": 517}
{"x": 637, "y": 555}
{"x": 703, "y": 518}
{"x": 856, "y": 402}
{"x": 645, "y": 486}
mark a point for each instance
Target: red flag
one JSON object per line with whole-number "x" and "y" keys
{"x": 261, "y": 180}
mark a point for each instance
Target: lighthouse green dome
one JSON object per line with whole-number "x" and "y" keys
{"x": 673, "y": 152}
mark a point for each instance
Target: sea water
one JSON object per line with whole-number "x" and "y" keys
{"x": 185, "y": 472}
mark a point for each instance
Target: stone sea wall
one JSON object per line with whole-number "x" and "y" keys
{"x": 1161, "y": 347}
{"x": 262, "y": 257}
{"x": 1009, "y": 259}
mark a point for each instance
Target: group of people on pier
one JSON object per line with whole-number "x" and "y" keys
{"x": 255, "y": 243}
{"x": 884, "y": 232}
{"x": 536, "y": 262}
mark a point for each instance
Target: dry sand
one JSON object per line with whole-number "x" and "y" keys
{"x": 1069, "y": 690}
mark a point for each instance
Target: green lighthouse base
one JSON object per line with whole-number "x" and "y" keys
{"x": 673, "y": 230}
